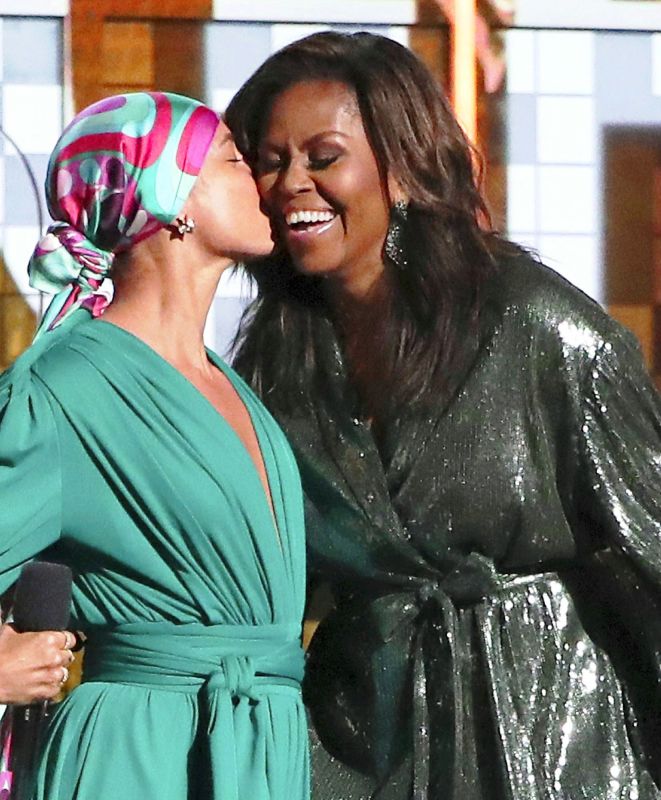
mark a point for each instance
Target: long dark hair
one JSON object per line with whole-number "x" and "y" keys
{"x": 416, "y": 138}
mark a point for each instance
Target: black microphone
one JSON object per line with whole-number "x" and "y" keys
{"x": 42, "y": 602}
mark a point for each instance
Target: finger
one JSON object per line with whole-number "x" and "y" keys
{"x": 64, "y": 658}
{"x": 46, "y": 692}
{"x": 65, "y": 675}
{"x": 69, "y": 640}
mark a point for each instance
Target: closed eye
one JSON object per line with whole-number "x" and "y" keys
{"x": 266, "y": 165}
{"x": 322, "y": 163}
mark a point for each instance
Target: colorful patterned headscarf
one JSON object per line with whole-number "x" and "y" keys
{"x": 120, "y": 171}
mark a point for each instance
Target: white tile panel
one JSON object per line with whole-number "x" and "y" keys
{"x": 567, "y": 200}
{"x": 521, "y": 62}
{"x": 35, "y": 8}
{"x": 565, "y": 62}
{"x": 32, "y": 116}
{"x": 598, "y": 14}
{"x": 656, "y": 63}
{"x": 566, "y": 130}
{"x": 235, "y": 283}
{"x": 283, "y": 34}
{"x": 2, "y": 190}
{"x": 576, "y": 258}
{"x": 220, "y": 98}
{"x": 393, "y": 12}
{"x": 210, "y": 328}
{"x": 399, "y": 33}
{"x": 19, "y": 242}
{"x": 521, "y": 198}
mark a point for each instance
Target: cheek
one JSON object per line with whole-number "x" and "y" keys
{"x": 357, "y": 186}
{"x": 366, "y": 206}
{"x": 243, "y": 194}
{"x": 249, "y": 190}
{"x": 265, "y": 188}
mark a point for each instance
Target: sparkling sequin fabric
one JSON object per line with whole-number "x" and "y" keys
{"x": 496, "y": 568}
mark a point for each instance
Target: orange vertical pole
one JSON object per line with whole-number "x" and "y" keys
{"x": 464, "y": 70}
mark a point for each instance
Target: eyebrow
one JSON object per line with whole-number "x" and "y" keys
{"x": 326, "y": 133}
{"x": 313, "y": 139}
{"x": 226, "y": 138}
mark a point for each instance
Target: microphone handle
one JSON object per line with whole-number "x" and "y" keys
{"x": 43, "y": 709}
{"x": 27, "y": 727}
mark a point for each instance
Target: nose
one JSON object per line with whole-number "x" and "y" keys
{"x": 295, "y": 178}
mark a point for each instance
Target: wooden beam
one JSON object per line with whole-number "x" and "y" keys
{"x": 464, "y": 72}
{"x": 88, "y": 58}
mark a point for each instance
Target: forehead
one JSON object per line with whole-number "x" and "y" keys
{"x": 308, "y": 108}
{"x": 222, "y": 134}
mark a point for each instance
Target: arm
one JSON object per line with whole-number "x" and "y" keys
{"x": 30, "y": 474}
{"x": 620, "y": 440}
{"x": 33, "y": 666}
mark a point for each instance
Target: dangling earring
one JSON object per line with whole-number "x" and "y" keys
{"x": 184, "y": 225}
{"x": 395, "y": 248}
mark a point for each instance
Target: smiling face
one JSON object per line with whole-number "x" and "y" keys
{"x": 320, "y": 183}
{"x": 225, "y": 205}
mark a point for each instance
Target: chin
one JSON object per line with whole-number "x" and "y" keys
{"x": 315, "y": 269}
{"x": 256, "y": 253}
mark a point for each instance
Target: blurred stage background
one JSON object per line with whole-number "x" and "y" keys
{"x": 571, "y": 135}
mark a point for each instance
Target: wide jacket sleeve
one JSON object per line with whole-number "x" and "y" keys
{"x": 620, "y": 442}
{"x": 30, "y": 475}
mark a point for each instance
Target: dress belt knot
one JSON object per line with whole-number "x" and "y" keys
{"x": 438, "y": 656}
{"x": 236, "y": 675}
{"x": 470, "y": 582}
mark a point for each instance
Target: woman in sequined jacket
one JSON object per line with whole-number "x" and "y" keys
{"x": 480, "y": 448}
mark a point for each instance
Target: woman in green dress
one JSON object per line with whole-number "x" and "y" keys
{"x": 480, "y": 449}
{"x": 136, "y": 456}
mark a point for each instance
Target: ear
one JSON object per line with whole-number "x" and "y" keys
{"x": 396, "y": 193}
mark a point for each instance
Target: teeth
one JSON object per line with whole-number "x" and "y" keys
{"x": 309, "y": 216}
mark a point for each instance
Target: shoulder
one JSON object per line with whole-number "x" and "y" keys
{"x": 55, "y": 357}
{"x": 27, "y": 413}
{"x": 529, "y": 301}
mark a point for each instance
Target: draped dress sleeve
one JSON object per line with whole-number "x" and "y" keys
{"x": 620, "y": 443}
{"x": 30, "y": 475}
{"x": 619, "y": 450}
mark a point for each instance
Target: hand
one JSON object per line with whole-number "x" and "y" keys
{"x": 33, "y": 666}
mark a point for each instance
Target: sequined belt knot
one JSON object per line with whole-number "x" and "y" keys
{"x": 433, "y": 609}
{"x": 474, "y": 579}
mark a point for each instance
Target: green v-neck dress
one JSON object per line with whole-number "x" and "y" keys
{"x": 191, "y": 593}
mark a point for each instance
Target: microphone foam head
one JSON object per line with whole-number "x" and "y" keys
{"x": 42, "y": 601}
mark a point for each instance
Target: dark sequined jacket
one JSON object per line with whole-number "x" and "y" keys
{"x": 496, "y": 567}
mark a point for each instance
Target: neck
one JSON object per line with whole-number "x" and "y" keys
{"x": 357, "y": 303}
{"x": 163, "y": 292}
{"x": 363, "y": 320}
